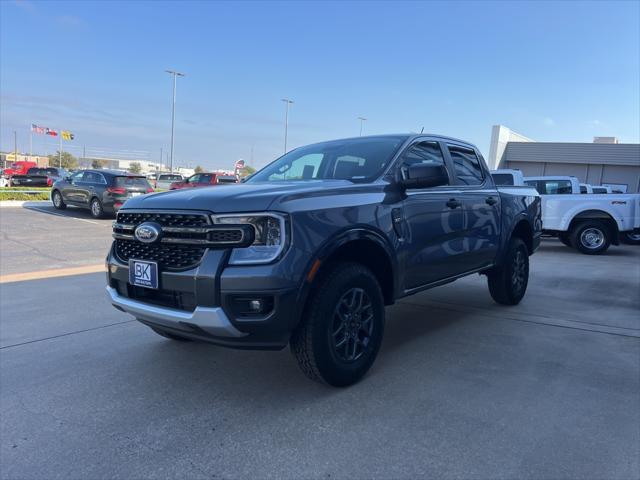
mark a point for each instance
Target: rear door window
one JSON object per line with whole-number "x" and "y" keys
{"x": 467, "y": 165}
{"x": 93, "y": 177}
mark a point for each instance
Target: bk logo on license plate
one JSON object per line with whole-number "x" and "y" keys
{"x": 143, "y": 273}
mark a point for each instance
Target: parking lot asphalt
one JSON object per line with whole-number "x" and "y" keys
{"x": 462, "y": 388}
{"x": 42, "y": 238}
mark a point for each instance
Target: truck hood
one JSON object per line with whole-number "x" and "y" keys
{"x": 243, "y": 197}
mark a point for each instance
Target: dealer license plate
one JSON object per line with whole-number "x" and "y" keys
{"x": 143, "y": 273}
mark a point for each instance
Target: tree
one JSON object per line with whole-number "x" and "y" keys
{"x": 246, "y": 171}
{"x": 135, "y": 167}
{"x": 198, "y": 169}
{"x": 68, "y": 161}
{"x": 95, "y": 163}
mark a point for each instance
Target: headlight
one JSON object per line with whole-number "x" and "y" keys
{"x": 270, "y": 236}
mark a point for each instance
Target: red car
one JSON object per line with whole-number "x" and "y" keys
{"x": 204, "y": 180}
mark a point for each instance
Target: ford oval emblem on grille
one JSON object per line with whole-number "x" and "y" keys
{"x": 148, "y": 232}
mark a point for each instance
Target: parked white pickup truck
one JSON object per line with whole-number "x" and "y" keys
{"x": 589, "y": 223}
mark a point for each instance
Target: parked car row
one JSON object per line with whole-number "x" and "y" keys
{"x": 589, "y": 222}
{"x": 101, "y": 191}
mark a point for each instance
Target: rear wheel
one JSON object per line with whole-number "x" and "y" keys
{"x": 564, "y": 238}
{"x": 591, "y": 237}
{"x": 508, "y": 282}
{"x": 341, "y": 330}
{"x": 170, "y": 336}
{"x": 58, "y": 202}
{"x": 631, "y": 238}
{"x": 96, "y": 208}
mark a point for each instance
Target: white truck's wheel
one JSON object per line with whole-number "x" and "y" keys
{"x": 631, "y": 238}
{"x": 591, "y": 237}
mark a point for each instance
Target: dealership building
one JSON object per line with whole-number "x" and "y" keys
{"x": 603, "y": 162}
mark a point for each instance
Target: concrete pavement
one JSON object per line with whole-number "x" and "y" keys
{"x": 462, "y": 388}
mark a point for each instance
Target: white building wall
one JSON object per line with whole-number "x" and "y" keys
{"x": 500, "y": 136}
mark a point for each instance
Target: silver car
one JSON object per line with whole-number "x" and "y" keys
{"x": 166, "y": 179}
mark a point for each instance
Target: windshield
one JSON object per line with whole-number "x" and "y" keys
{"x": 358, "y": 160}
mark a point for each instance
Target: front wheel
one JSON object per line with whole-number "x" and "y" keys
{"x": 508, "y": 282}
{"x": 58, "y": 202}
{"x": 341, "y": 330}
{"x": 591, "y": 237}
{"x": 96, "y": 208}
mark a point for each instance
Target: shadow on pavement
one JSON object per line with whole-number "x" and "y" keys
{"x": 70, "y": 212}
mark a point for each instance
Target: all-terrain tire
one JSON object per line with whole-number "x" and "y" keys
{"x": 508, "y": 282}
{"x": 341, "y": 330}
{"x": 591, "y": 237}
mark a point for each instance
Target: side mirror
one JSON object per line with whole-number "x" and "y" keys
{"x": 67, "y": 178}
{"x": 423, "y": 175}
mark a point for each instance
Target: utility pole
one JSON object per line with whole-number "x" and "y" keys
{"x": 173, "y": 112}
{"x": 15, "y": 145}
{"x": 362, "y": 120}
{"x": 286, "y": 121}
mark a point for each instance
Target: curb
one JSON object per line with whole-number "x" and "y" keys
{"x": 23, "y": 203}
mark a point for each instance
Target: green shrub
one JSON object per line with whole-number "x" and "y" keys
{"x": 17, "y": 195}
{"x": 17, "y": 189}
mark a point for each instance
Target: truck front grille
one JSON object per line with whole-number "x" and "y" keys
{"x": 168, "y": 256}
{"x": 184, "y": 237}
{"x": 184, "y": 220}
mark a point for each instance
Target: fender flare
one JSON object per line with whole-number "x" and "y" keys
{"x": 349, "y": 234}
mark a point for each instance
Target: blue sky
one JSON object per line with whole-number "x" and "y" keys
{"x": 552, "y": 71}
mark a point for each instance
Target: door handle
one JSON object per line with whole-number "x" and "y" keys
{"x": 491, "y": 201}
{"x": 453, "y": 203}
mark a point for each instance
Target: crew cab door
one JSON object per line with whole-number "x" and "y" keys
{"x": 432, "y": 223}
{"x": 482, "y": 205}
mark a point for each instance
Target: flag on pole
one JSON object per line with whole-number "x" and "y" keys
{"x": 51, "y": 131}
{"x": 67, "y": 135}
{"x": 36, "y": 129}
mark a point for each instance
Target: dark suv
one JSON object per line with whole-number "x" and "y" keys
{"x": 310, "y": 249}
{"x": 101, "y": 191}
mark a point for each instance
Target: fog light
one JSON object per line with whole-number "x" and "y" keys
{"x": 255, "y": 305}
{"x": 242, "y": 306}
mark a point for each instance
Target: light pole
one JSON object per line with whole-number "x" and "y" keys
{"x": 286, "y": 120}
{"x": 173, "y": 112}
{"x": 362, "y": 120}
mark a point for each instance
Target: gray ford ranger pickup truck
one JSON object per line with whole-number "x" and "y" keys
{"x": 310, "y": 249}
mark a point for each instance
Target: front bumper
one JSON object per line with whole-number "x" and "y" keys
{"x": 203, "y": 296}
{"x": 211, "y": 321}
